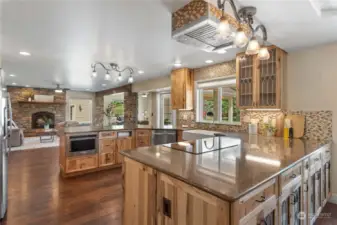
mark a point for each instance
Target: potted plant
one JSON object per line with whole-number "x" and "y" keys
{"x": 269, "y": 129}
{"x": 108, "y": 113}
{"x": 47, "y": 122}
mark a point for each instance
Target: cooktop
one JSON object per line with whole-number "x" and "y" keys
{"x": 205, "y": 145}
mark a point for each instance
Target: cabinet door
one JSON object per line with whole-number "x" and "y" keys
{"x": 318, "y": 191}
{"x": 182, "y": 93}
{"x": 328, "y": 178}
{"x": 139, "y": 194}
{"x": 181, "y": 204}
{"x": 285, "y": 211}
{"x": 296, "y": 206}
{"x": 312, "y": 198}
{"x": 81, "y": 163}
{"x": 107, "y": 159}
{"x": 122, "y": 144}
{"x": 269, "y": 80}
{"x": 245, "y": 81}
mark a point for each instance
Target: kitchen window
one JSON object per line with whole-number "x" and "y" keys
{"x": 216, "y": 101}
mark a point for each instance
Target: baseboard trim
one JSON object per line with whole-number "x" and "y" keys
{"x": 333, "y": 199}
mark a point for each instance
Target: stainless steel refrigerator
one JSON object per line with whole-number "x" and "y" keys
{"x": 5, "y": 133}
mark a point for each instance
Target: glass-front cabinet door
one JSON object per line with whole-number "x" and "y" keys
{"x": 245, "y": 69}
{"x": 268, "y": 80}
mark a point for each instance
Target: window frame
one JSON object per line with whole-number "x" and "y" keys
{"x": 200, "y": 102}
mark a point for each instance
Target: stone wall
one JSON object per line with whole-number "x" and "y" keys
{"x": 22, "y": 112}
{"x": 130, "y": 105}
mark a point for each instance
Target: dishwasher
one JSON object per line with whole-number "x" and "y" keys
{"x": 163, "y": 137}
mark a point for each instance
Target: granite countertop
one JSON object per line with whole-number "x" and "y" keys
{"x": 85, "y": 129}
{"x": 145, "y": 127}
{"x": 232, "y": 172}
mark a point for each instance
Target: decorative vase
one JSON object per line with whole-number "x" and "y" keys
{"x": 46, "y": 126}
{"x": 29, "y": 99}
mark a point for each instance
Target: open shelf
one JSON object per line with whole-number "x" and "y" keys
{"x": 34, "y": 102}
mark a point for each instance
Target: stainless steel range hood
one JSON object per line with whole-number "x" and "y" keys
{"x": 195, "y": 24}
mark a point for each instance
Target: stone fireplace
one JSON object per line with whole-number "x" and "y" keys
{"x": 39, "y": 119}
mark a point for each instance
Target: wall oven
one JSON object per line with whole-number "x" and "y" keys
{"x": 82, "y": 144}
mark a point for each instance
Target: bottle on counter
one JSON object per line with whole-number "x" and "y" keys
{"x": 286, "y": 128}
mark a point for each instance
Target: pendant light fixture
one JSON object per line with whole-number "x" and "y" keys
{"x": 111, "y": 67}
{"x": 244, "y": 16}
{"x": 224, "y": 29}
{"x": 253, "y": 47}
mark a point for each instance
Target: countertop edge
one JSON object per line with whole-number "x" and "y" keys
{"x": 219, "y": 195}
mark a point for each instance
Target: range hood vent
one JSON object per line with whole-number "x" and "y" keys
{"x": 196, "y": 23}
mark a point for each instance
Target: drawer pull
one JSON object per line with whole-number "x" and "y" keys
{"x": 316, "y": 159}
{"x": 293, "y": 176}
{"x": 261, "y": 200}
{"x": 305, "y": 187}
{"x": 327, "y": 151}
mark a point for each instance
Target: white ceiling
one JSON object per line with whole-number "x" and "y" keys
{"x": 65, "y": 37}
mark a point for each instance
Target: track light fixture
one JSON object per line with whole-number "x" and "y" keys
{"x": 243, "y": 16}
{"x": 111, "y": 67}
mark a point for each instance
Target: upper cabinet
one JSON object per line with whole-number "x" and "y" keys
{"x": 182, "y": 89}
{"x": 259, "y": 82}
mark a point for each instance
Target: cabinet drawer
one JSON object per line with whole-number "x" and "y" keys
{"x": 143, "y": 132}
{"x": 81, "y": 163}
{"x": 143, "y": 141}
{"x": 107, "y": 134}
{"x": 256, "y": 197}
{"x": 107, "y": 145}
{"x": 290, "y": 175}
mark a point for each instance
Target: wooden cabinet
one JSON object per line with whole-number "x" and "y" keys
{"x": 122, "y": 144}
{"x": 182, "y": 83}
{"x": 143, "y": 138}
{"x": 107, "y": 159}
{"x": 259, "y": 82}
{"x": 80, "y": 163}
{"x": 181, "y": 204}
{"x": 139, "y": 194}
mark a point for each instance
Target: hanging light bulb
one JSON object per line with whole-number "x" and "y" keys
{"x": 263, "y": 54}
{"x": 253, "y": 47}
{"x": 224, "y": 29}
{"x": 119, "y": 78}
{"x": 240, "y": 38}
{"x": 130, "y": 80}
{"x": 107, "y": 76}
{"x": 94, "y": 73}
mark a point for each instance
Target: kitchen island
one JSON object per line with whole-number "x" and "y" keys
{"x": 238, "y": 180}
{"x": 86, "y": 149}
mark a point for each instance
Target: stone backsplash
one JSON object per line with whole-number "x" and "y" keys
{"x": 318, "y": 124}
{"x": 22, "y": 112}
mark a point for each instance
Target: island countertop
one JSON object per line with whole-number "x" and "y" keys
{"x": 232, "y": 172}
{"x": 88, "y": 129}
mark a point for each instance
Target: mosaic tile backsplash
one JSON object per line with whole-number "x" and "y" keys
{"x": 318, "y": 124}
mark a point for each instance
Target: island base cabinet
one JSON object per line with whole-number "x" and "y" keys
{"x": 122, "y": 144}
{"x": 139, "y": 194}
{"x": 181, "y": 204}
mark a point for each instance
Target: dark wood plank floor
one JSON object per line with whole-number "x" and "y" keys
{"x": 39, "y": 196}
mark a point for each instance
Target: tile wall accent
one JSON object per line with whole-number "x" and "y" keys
{"x": 318, "y": 124}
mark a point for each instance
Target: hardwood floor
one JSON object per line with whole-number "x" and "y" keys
{"x": 39, "y": 196}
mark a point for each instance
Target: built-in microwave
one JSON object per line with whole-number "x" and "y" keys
{"x": 82, "y": 144}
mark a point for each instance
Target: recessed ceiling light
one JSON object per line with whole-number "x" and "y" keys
{"x": 88, "y": 89}
{"x": 11, "y": 75}
{"x": 209, "y": 61}
{"x": 25, "y": 53}
{"x": 140, "y": 71}
{"x": 103, "y": 85}
{"x": 4, "y": 89}
{"x": 177, "y": 64}
{"x": 13, "y": 83}
{"x": 27, "y": 85}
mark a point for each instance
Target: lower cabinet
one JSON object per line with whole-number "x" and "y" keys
{"x": 181, "y": 204}
{"x": 80, "y": 163}
{"x": 122, "y": 144}
{"x": 290, "y": 203}
{"x": 107, "y": 159}
{"x": 139, "y": 194}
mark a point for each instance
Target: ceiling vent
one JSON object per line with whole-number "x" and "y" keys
{"x": 196, "y": 24}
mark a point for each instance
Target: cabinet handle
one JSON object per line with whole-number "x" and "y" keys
{"x": 293, "y": 199}
{"x": 293, "y": 176}
{"x": 307, "y": 165}
{"x": 167, "y": 207}
{"x": 305, "y": 187}
{"x": 261, "y": 200}
{"x": 327, "y": 151}
{"x": 316, "y": 159}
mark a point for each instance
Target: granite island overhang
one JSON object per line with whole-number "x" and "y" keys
{"x": 246, "y": 180}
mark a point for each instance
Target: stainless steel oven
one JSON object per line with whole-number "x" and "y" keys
{"x": 82, "y": 144}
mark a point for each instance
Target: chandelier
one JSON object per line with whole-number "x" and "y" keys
{"x": 112, "y": 67}
{"x": 243, "y": 16}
